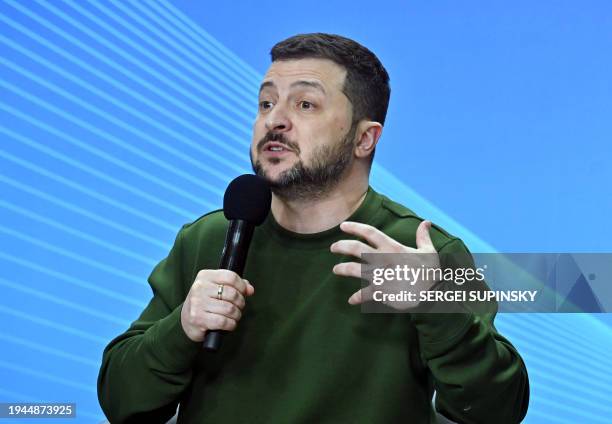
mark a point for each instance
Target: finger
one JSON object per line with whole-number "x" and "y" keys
{"x": 212, "y": 321}
{"x": 221, "y": 307}
{"x": 373, "y": 236}
{"x": 348, "y": 269}
{"x": 423, "y": 239}
{"x": 229, "y": 294}
{"x": 351, "y": 247}
{"x": 229, "y": 278}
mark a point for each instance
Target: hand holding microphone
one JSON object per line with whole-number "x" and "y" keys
{"x": 216, "y": 298}
{"x": 215, "y": 302}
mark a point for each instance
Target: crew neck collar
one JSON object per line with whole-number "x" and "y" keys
{"x": 364, "y": 213}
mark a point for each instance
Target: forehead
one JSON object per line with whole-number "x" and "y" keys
{"x": 326, "y": 72}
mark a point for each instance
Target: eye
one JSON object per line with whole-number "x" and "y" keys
{"x": 306, "y": 105}
{"x": 265, "y": 105}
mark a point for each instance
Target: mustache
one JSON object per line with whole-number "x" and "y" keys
{"x": 278, "y": 138}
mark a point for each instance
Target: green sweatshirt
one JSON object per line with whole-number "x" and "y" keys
{"x": 301, "y": 353}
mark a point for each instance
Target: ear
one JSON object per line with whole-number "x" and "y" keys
{"x": 369, "y": 132}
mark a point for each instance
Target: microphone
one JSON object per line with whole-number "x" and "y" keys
{"x": 246, "y": 204}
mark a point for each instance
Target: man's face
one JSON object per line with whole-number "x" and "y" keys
{"x": 302, "y": 136}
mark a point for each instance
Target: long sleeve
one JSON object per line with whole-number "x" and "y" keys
{"x": 145, "y": 370}
{"x": 478, "y": 375}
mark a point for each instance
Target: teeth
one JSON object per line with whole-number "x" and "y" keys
{"x": 276, "y": 148}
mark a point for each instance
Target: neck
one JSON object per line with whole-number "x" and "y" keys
{"x": 309, "y": 216}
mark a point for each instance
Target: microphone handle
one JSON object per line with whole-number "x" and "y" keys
{"x": 233, "y": 257}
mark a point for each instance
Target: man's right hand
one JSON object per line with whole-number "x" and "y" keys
{"x": 203, "y": 311}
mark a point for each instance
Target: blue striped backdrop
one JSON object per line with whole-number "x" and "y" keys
{"x": 119, "y": 122}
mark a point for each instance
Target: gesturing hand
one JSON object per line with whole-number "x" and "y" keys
{"x": 379, "y": 242}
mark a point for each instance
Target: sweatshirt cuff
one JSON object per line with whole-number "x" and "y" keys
{"x": 438, "y": 332}
{"x": 170, "y": 345}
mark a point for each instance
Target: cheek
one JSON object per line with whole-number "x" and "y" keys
{"x": 258, "y": 133}
{"x": 331, "y": 133}
{"x": 342, "y": 125}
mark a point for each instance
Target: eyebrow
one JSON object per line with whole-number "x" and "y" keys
{"x": 301, "y": 83}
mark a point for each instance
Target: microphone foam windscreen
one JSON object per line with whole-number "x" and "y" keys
{"x": 247, "y": 197}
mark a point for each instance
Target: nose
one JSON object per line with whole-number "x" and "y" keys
{"x": 277, "y": 120}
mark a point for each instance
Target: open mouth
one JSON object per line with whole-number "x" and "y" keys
{"x": 276, "y": 148}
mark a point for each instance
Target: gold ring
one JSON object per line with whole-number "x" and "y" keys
{"x": 220, "y": 291}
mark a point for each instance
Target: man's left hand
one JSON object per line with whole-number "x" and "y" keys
{"x": 379, "y": 242}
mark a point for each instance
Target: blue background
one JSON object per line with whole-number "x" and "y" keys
{"x": 120, "y": 121}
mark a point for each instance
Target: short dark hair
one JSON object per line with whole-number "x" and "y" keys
{"x": 367, "y": 81}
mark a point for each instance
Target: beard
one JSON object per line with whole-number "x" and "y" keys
{"x": 313, "y": 181}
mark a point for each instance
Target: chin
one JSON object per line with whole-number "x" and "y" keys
{"x": 273, "y": 167}
{"x": 273, "y": 174}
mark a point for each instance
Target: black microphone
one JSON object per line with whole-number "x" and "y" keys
{"x": 246, "y": 204}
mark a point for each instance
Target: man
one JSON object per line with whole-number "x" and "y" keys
{"x": 298, "y": 349}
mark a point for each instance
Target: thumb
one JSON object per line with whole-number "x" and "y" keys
{"x": 423, "y": 240}
{"x": 361, "y": 296}
{"x": 249, "y": 288}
